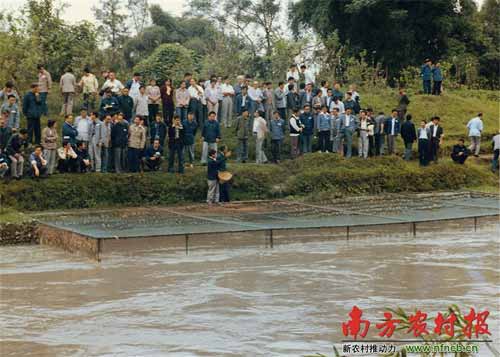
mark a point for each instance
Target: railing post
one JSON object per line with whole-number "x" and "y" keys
{"x": 271, "y": 243}
{"x": 187, "y": 242}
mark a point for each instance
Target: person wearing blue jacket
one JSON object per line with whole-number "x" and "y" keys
{"x": 347, "y": 127}
{"x": 210, "y": 135}
{"x": 158, "y": 130}
{"x": 324, "y": 126}
{"x": 277, "y": 129}
{"x": 426, "y": 74}
{"x": 190, "y": 127}
{"x": 392, "y": 128}
{"x": 437, "y": 79}
{"x": 69, "y": 132}
{"x": 33, "y": 110}
{"x": 307, "y": 120}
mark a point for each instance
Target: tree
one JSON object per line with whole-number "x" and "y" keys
{"x": 167, "y": 61}
{"x": 253, "y": 21}
{"x": 396, "y": 33}
{"x": 112, "y": 22}
{"x": 489, "y": 59}
{"x": 139, "y": 13}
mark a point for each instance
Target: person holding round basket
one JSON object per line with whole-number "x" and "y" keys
{"x": 224, "y": 175}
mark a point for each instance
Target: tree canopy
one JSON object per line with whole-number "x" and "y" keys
{"x": 396, "y": 33}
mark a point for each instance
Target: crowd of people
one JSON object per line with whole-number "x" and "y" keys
{"x": 125, "y": 127}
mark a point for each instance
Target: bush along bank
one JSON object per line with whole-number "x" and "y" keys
{"x": 314, "y": 174}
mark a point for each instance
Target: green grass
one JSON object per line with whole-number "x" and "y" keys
{"x": 9, "y": 215}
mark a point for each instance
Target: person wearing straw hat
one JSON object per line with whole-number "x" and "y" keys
{"x": 223, "y": 175}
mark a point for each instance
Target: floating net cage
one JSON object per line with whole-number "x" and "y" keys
{"x": 273, "y": 215}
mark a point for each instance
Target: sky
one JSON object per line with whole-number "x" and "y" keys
{"x": 82, "y": 9}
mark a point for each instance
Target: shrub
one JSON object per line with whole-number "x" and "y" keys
{"x": 167, "y": 61}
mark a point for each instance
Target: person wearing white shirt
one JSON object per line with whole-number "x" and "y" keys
{"x": 134, "y": 85}
{"x": 259, "y": 130}
{"x": 324, "y": 88}
{"x": 496, "y": 152}
{"x": 82, "y": 125}
{"x": 354, "y": 93}
{"x": 336, "y": 103}
{"x": 212, "y": 96}
{"x": 254, "y": 98}
{"x": 293, "y": 72}
{"x": 227, "y": 91}
{"x": 308, "y": 75}
{"x": 112, "y": 83}
{"x": 195, "y": 106}
{"x": 475, "y": 127}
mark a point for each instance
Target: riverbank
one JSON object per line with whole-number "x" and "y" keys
{"x": 17, "y": 228}
{"x": 316, "y": 176}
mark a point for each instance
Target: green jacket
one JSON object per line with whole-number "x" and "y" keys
{"x": 243, "y": 128}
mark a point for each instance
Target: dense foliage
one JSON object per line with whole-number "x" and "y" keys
{"x": 398, "y": 33}
{"x": 167, "y": 61}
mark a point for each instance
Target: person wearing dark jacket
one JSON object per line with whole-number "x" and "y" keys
{"x": 5, "y": 133}
{"x": 83, "y": 157}
{"x": 292, "y": 100}
{"x": 409, "y": 136}
{"x": 158, "y": 129}
{"x": 176, "y": 145}
{"x": 403, "y": 103}
{"x": 436, "y": 138}
{"x": 459, "y": 153}
{"x": 38, "y": 165}
{"x": 14, "y": 152}
{"x": 190, "y": 127}
{"x": 307, "y": 120}
{"x": 225, "y": 187}
{"x": 126, "y": 105}
{"x": 153, "y": 156}
{"x": 210, "y": 135}
{"x": 212, "y": 177}
{"x": 392, "y": 129}
{"x": 109, "y": 104}
{"x": 119, "y": 142}
{"x": 69, "y": 132}
{"x": 33, "y": 110}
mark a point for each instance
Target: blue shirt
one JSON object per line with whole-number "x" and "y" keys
{"x": 437, "y": 75}
{"x": 324, "y": 122}
{"x": 277, "y": 128}
{"x": 211, "y": 131}
{"x": 426, "y": 72}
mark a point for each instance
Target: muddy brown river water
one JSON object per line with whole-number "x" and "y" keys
{"x": 285, "y": 301}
